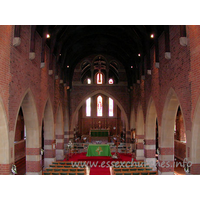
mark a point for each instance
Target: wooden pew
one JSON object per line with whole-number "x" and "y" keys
{"x": 137, "y": 173}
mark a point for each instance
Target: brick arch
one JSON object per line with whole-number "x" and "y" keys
{"x": 74, "y": 115}
{"x": 49, "y": 135}
{"x": 33, "y": 138}
{"x": 4, "y": 141}
{"x": 59, "y": 133}
{"x": 166, "y": 142}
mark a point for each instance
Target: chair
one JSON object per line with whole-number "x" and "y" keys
{"x": 46, "y": 173}
{"x": 80, "y": 170}
{"x": 72, "y": 170}
{"x": 136, "y": 173}
{"x": 148, "y": 169}
{"x": 49, "y": 170}
{"x": 133, "y": 169}
{"x": 118, "y": 174}
{"x": 55, "y": 173}
{"x": 127, "y": 173}
{"x": 66, "y": 166}
{"x": 144, "y": 173}
{"x": 57, "y": 170}
{"x": 80, "y": 174}
{"x": 152, "y": 173}
{"x": 65, "y": 170}
{"x": 72, "y": 173}
{"x": 63, "y": 173}
{"x": 55, "y": 163}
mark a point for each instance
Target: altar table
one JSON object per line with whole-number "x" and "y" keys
{"x": 98, "y": 150}
{"x": 99, "y": 133}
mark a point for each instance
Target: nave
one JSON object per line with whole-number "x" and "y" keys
{"x": 78, "y": 163}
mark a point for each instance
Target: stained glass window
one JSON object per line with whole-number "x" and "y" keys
{"x": 88, "y": 81}
{"x": 110, "y": 81}
{"x": 111, "y": 105}
{"x": 99, "y": 106}
{"x": 88, "y": 107}
{"x": 99, "y": 78}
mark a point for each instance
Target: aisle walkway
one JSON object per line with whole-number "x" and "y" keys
{"x": 99, "y": 165}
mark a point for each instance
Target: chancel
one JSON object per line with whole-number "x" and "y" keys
{"x": 126, "y": 98}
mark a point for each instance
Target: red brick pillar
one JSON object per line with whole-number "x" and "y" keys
{"x": 66, "y": 138}
{"x": 5, "y": 169}
{"x": 195, "y": 168}
{"x": 149, "y": 152}
{"x": 166, "y": 161}
{"x": 59, "y": 147}
{"x": 139, "y": 147}
{"x": 33, "y": 161}
{"x": 49, "y": 152}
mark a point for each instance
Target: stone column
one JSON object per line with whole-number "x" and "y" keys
{"x": 139, "y": 147}
{"x": 166, "y": 161}
{"x": 49, "y": 152}
{"x": 59, "y": 147}
{"x": 33, "y": 161}
{"x": 149, "y": 152}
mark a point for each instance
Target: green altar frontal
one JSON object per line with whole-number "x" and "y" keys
{"x": 98, "y": 150}
{"x": 99, "y": 133}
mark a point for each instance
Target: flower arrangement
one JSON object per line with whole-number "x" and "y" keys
{"x": 69, "y": 145}
{"x": 42, "y": 152}
{"x": 14, "y": 169}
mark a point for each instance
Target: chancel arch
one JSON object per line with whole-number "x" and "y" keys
{"x": 119, "y": 112}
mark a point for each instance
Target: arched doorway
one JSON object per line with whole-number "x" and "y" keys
{"x": 33, "y": 144}
{"x": 4, "y": 143}
{"x": 166, "y": 157}
{"x": 20, "y": 144}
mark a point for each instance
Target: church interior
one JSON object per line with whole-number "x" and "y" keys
{"x": 106, "y": 94}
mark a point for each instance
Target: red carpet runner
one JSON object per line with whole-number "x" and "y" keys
{"x": 99, "y": 165}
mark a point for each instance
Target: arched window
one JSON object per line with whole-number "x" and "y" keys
{"x": 99, "y": 106}
{"x": 88, "y": 107}
{"x": 111, "y": 106}
{"x": 99, "y": 78}
{"x": 110, "y": 81}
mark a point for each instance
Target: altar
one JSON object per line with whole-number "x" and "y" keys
{"x": 98, "y": 150}
{"x": 100, "y": 135}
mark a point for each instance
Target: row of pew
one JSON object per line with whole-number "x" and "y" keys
{"x": 65, "y": 168}
{"x": 133, "y": 168}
